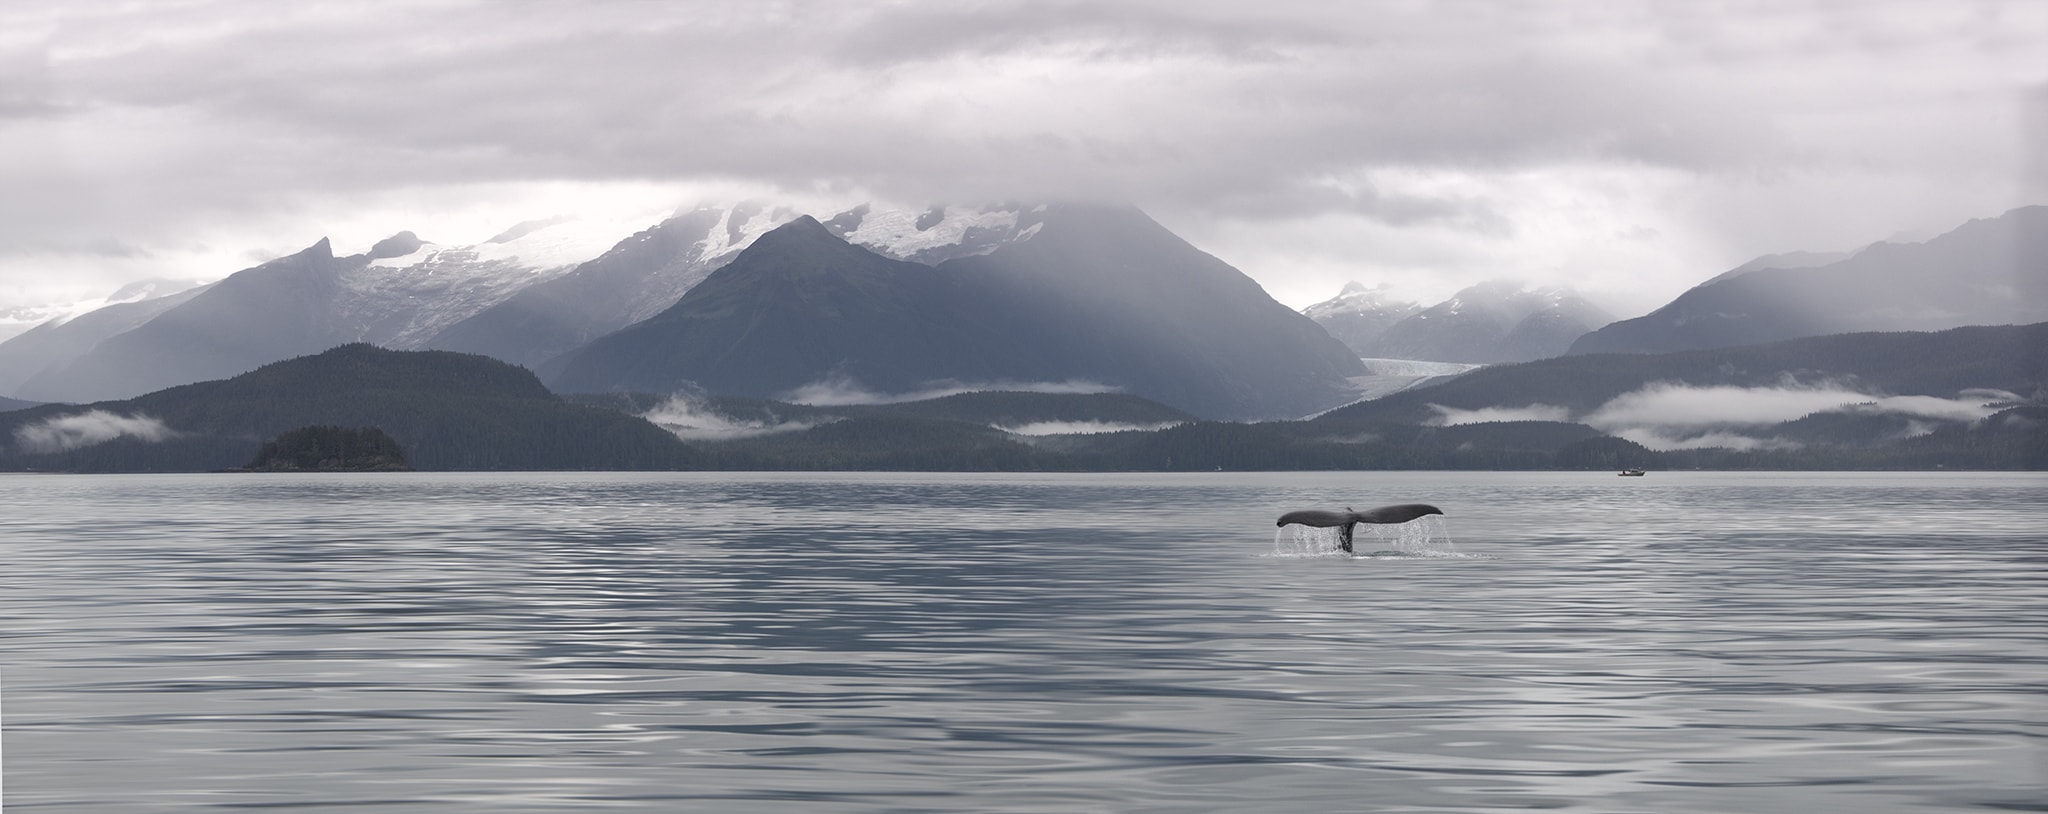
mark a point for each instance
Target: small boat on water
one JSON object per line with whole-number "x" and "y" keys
{"x": 1631, "y": 473}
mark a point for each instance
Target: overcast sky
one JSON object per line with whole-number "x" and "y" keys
{"x": 1632, "y": 149}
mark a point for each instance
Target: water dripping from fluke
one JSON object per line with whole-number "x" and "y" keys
{"x": 1427, "y": 537}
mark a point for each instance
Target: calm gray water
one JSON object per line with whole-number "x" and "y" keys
{"x": 1684, "y": 642}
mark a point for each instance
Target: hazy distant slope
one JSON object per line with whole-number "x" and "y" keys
{"x": 1494, "y": 321}
{"x": 1991, "y": 271}
{"x": 1119, "y": 299}
{"x": 273, "y": 311}
{"x": 55, "y": 344}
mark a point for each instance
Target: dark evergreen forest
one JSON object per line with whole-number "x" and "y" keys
{"x": 452, "y": 411}
{"x": 330, "y": 449}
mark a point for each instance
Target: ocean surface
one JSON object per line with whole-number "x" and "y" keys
{"x": 1575, "y": 642}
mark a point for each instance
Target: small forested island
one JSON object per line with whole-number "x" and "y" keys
{"x": 330, "y": 449}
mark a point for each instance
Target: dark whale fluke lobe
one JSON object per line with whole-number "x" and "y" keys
{"x": 1344, "y": 521}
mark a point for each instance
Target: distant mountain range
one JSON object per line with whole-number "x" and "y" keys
{"x": 876, "y": 304}
{"x": 505, "y": 297}
{"x": 879, "y": 301}
{"x": 1991, "y": 271}
{"x": 1964, "y": 398}
{"x": 401, "y": 293}
{"x": 1489, "y": 323}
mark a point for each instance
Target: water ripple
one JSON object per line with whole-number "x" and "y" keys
{"x": 1690, "y": 642}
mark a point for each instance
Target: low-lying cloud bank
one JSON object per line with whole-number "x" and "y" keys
{"x": 839, "y": 390}
{"x": 691, "y": 421}
{"x": 1674, "y": 415}
{"x": 80, "y": 430}
{"x": 1670, "y": 404}
{"x": 1081, "y": 427}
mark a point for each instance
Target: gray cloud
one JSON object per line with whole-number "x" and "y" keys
{"x": 691, "y": 420}
{"x": 1208, "y": 97}
{"x": 1675, "y": 415}
{"x": 90, "y": 428}
{"x": 155, "y": 124}
{"x": 1669, "y": 415}
{"x": 838, "y": 389}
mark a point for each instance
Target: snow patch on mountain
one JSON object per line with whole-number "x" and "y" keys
{"x": 936, "y": 234}
{"x": 1359, "y": 316}
{"x": 1356, "y": 298}
{"x": 404, "y": 301}
{"x": 537, "y": 245}
{"x": 739, "y": 225}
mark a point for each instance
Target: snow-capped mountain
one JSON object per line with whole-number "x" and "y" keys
{"x": 1492, "y": 322}
{"x": 399, "y": 293}
{"x": 1359, "y": 316}
{"x": 651, "y": 270}
{"x": 544, "y": 287}
{"x": 635, "y": 278}
{"x": 1068, "y": 295}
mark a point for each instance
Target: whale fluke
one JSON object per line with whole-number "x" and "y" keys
{"x": 1344, "y": 521}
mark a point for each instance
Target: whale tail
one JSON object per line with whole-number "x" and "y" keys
{"x": 1346, "y": 521}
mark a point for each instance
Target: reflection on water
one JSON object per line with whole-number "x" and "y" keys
{"x": 1687, "y": 642}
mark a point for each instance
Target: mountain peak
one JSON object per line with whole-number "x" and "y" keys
{"x": 398, "y": 245}
{"x": 1491, "y": 321}
{"x": 803, "y": 230}
{"x": 805, "y": 225}
{"x": 320, "y": 250}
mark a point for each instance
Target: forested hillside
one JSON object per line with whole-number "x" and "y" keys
{"x": 447, "y": 410}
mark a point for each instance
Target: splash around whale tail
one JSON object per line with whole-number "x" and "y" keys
{"x": 1344, "y": 521}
